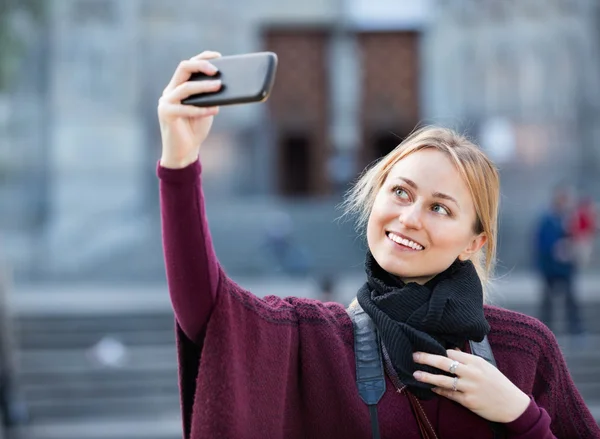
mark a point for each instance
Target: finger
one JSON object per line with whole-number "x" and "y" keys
{"x": 207, "y": 54}
{"x": 436, "y": 380}
{"x": 186, "y": 68}
{"x": 438, "y": 361}
{"x": 450, "y": 394}
{"x": 178, "y": 110}
{"x": 461, "y": 357}
{"x": 192, "y": 87}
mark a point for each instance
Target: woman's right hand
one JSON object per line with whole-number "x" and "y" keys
{"x": 183, "y": 128}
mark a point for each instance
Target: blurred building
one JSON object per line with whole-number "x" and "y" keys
{"x": 355, "y": 76}
{"x": 523, "y": 78}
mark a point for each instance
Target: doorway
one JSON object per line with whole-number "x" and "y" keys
{"x": 295, "y": 156}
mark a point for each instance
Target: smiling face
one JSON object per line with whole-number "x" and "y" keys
{"x": 423, "y": 218}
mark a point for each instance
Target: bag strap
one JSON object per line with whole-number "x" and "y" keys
{"x": 370, "y": 378}
{"x": 425, "y": 427}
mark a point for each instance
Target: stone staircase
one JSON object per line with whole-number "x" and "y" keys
{"x": 113, "y": 375}
{"x": 116, "y": 372}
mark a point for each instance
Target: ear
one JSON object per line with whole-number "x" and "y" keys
{"x": 474, "y": 246}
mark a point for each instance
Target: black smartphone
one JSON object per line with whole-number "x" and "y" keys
{"x": 245, "y": 78}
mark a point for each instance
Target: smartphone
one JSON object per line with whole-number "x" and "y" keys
{"x": 245, "y": 78}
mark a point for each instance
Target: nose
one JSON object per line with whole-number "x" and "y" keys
{"x": 410, "y": 216}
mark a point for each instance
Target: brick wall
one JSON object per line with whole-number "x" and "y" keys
{"x": 390, "y": 100}
{"x": 298, "y": 107}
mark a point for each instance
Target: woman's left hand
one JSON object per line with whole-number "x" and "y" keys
{"x": 477, "y": 385}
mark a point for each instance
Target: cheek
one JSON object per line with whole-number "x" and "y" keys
{"x": 383, "y": 210}
{"x": 377, "y": 219}
{"x": 452, "y": 237}
{"x": 372, "y": 227}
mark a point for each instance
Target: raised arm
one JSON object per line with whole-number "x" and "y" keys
{"x": 191, "y": 265}
{"x": 190, "y": 261}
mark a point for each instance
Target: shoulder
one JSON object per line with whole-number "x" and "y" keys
{"x": 286, "y": 309}
{"x": 313, "y": 310}
{"x": 508, "y": 322}
{"x": 520, "y": 334}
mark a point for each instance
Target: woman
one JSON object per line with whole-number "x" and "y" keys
{"x": 285, "y": 368}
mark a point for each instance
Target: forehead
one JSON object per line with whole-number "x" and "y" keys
{"x": 433, "y": 171}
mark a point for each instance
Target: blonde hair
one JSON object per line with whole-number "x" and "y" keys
{"x": 475, "y": 167}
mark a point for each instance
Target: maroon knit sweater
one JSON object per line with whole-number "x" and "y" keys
{"x": 285, "y": 368}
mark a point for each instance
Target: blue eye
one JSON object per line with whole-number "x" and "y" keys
{"x": 398, "y": 191}
{"x": 444, "y": 210}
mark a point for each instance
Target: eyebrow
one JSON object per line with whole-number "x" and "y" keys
{"x": 435, "y": 194}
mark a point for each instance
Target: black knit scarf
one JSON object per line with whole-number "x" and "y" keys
{"x": 443, "y": 314}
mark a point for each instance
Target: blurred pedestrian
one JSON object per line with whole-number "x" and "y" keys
{"x": 409, "y": 358}
{"x": 327, "y": 288}
{"x": 584, "y": 227}
{"x": 281, "y": 250}
{"x": 556, "y": 260}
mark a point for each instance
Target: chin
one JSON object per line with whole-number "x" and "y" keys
{"x": 401, "y": 269}
{"x": 393, "y": 266}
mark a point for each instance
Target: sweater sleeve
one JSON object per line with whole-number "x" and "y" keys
{"x": 529, "y": 355}
{"x": 557, "y": 399}
{"x": 191, "y": 264}
{"x": 534, "y": 423}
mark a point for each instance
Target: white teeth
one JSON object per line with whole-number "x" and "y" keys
{"x": 405, "y": 242}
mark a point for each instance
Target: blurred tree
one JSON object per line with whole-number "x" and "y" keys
{"x": 12, "y": 40}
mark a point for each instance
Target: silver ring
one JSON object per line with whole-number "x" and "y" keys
{"x": 453, "y": 367}
{"x": 455, "y": 384}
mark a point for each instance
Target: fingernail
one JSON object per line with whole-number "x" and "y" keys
{"x": 417, "y": 374}
{"x": 214, "y": 82}
{"x": 416, "y": 356}
{"x": 212, "y": 68}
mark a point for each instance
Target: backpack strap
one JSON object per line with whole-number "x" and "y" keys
{"x": 370, "y": 378}
{"x": 483, "y": 349}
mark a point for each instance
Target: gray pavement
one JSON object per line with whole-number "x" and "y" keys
{"x": 26, "y": 299}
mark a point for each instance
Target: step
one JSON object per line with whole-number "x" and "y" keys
{"x": 165, "y": 425}
{"x": 119, "y": 321}
{"x": 58, "y": 340}
{"x": 111, "y": 407}
{"x": 83, "y": 387}
{"x": 73, "y": 360}
{"x": 100, "y": 375}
